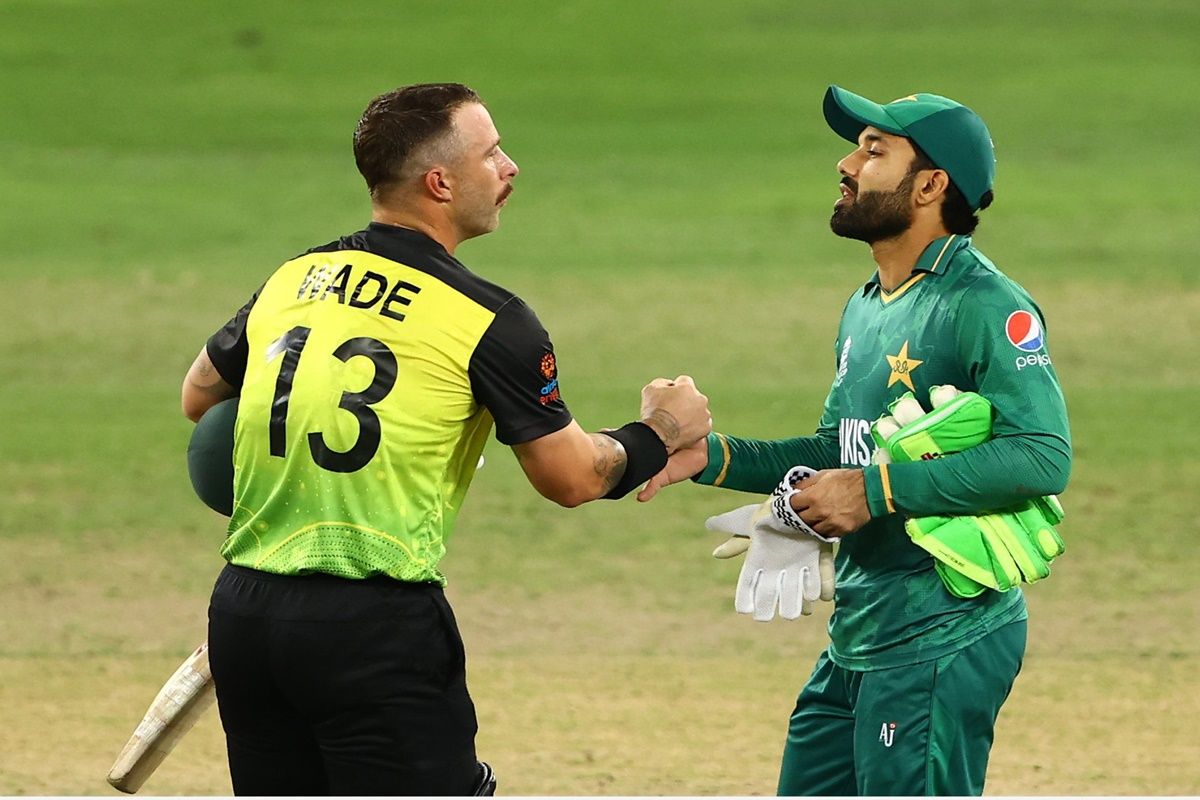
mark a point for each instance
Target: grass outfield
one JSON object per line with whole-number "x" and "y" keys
{"x": 670, "y": 216}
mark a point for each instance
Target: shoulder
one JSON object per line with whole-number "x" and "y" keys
{"x": 515, "y": 325}
{"x": 977, "y": 283}
{"x": 985, "y": 305}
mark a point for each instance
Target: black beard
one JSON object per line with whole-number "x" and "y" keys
{"x": 874, "y": 216}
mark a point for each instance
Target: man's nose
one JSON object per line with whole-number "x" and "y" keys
{"x": 847, "y": 166}
{"x": 511, "y": 169}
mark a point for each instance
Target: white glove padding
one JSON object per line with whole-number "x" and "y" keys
{"x": 781, "y": 502}
{"x": 783, "y": 568}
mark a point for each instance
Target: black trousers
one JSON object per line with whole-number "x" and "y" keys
{"x": 333, "y": 686}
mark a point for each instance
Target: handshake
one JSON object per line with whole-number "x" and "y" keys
{"x": 789, "y": 566}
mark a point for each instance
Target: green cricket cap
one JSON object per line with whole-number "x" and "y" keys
{"x": 952, "y": 135}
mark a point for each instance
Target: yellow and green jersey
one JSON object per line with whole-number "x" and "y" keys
{"x": 371, "y": 371}
{"x": 956, "y": 320}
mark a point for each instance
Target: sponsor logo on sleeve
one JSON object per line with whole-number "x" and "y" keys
{"x": 1024, "y": 332}
{"x": 549, "y": 369}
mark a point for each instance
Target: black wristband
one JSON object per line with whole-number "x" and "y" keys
{"x": 645, "y": 457}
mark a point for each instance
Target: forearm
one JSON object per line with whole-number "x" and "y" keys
{"x": 756, "y": 465}
{"x": 572, "y": 467}
{"x": 993, "y": 475}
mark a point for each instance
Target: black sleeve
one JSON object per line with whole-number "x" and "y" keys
{"x": 513, "y": 372}
{"x": 227, "y": 348}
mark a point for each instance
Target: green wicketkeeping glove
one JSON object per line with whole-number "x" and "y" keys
{"x": 958, "y": 421}
{"x": 992, "y": 551}
{"x": 971, "y": 553}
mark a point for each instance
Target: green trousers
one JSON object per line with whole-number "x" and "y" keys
{"x": 923, "y": 729}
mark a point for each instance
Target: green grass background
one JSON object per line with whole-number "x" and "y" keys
{"x": 158, "y": 159}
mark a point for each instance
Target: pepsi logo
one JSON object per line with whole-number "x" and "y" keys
{"x": 1024, "y": 331}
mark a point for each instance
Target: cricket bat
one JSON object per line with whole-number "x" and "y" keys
{"x": 181, "y": 701}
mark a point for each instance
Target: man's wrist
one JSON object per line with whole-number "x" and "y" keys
{"x": 716, "y": 446}
{"x": 663, "y": 423}
{"x": 877, "y": 485}
{"x": 644, "y": 457}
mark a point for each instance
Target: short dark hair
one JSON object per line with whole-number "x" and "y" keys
{"x": 397, "y": 123}
{"x": 957, "y": 215}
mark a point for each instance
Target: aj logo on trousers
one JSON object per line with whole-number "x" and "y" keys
{"x": 887, "y": 733}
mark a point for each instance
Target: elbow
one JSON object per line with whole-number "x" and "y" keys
{"x": 1055, "y": 483}
{"x": 1054, "y": 470}
{"x": 1061, "y": 473}
{"x": 567, "y": 495}
{"x": 1041, "y": 488}
{"x": 195, "y": 403}
{"x": 571, "y": 501}
{"x": 568, "y": 492}
{"x": 192, "y": 409}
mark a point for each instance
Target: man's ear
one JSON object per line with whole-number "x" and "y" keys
{"x": 437, "y": 183}
{"x": 931, "y": 187}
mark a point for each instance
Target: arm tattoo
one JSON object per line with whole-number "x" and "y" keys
{"x": 609, "y": 460}
{"x": 204, "y": 376}
{"x": 665, "y": 424}
{"x": 214, "y": 385}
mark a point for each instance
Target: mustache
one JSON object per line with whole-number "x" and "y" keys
{"x": 850, "y": 184}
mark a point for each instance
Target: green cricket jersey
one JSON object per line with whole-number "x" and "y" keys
{"x": 956, "y": 320}
{"x": 371, "y": 371}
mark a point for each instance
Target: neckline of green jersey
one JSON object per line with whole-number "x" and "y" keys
{"x": 934, "y": 258}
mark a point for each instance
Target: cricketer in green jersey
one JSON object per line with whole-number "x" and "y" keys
{"x": 904, "y": 700}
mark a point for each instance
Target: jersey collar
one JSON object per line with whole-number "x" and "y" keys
{"x": 933, "y": 260}
{"x": 413, "y": 237}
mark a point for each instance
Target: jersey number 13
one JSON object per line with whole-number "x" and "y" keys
{"x": 357, "y": 403}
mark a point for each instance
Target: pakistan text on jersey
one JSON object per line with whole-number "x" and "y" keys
{"x": 854, "y": 436}
{"x": 321, "y": 281}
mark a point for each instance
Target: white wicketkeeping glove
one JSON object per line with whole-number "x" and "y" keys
{"x": 781, "y": 502}
{"x": 782, "y": 568}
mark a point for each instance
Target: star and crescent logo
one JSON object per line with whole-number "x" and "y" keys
{"x": 902, "y": 367}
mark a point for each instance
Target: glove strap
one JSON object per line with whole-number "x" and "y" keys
{"x": 781, "y": 506}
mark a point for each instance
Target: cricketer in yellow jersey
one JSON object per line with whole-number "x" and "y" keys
{"x": 370, "y": 371}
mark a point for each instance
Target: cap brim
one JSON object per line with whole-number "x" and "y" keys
{"x": 848, "y": 113}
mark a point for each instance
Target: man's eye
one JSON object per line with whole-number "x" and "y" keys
{"x": 874, "y": 153}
